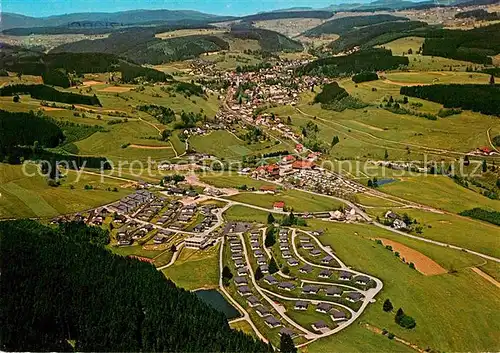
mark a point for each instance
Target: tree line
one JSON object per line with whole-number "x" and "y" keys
{"x": 479, "y": 98}
{"x": 43, "y": 92}
{"x": 365, "y": 77}
{"x": 61, "y": 284}
{"x": 375, "y": 59}
{"x": 492, "y": 217}
{"x": 164, "y": 115}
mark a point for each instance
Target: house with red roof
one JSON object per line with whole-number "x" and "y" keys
{"x": 303, "y": 165}
{"x": 270, "y": 170}
{"x": 299, "y": 147}
{"x": 288, "y": 159}
{"x": 486, "y": 151}
{"x": 279, "y": 206}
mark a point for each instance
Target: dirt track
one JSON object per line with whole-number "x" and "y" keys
{"x": 486, "y": 276}
{"x": 144, "y": 147}
{"x": 115, "y": 89}
{"x": 423, "y": 264}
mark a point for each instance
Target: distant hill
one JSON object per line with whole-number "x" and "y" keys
{"x": 11, "y": 20}
{"x": 269, "y": 41}
{"x": 288, "y": 14}
{"x": 141, "y": 46}
{"x": 380, "y": 33}
{"x": 345, "y": 24}
{"x": 378, "y": 4}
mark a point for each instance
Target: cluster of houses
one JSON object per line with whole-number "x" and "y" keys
{"x": 131, "y": 231}
{"x": 306, "y": 244}
{"x": 323, "y": 182}
{"x": 285, "y": 248}
{"x": 132, "y": 202}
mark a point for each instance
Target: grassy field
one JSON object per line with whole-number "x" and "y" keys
{"x": 231, "y": 180}
{"x": 223, "y": 144}
{"x": 441, "y": 305}
{"x": 297, "y": 200}
{"x": 243, "y": 326}
{"x": 245, "y": 214}
{"x": 25, "y": 196}
{"x": 368, "y": 133}
{"x": 419, "y": 62}
{"x": 439, "y": 192}
{"x": 135, "y": 250}
{"x": 356, "y": 339}
{"x": 461, "y": 231}
{"x": 195, "y": 269}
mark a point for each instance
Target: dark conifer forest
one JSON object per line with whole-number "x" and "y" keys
{"x": 61, "y": 286}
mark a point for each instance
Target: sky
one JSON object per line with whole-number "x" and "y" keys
{"x": 42, "y": 8}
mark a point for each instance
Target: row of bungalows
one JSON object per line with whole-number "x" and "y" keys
{"x": 210, "y": 220}
{"x": 285, "y": 247}
{"x": 151, "y": 209}
{"x": 132, "y": 202}
{"x": 324, "y": 308}
{"x": 170, "y": 214}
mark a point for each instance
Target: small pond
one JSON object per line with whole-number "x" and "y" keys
{"x": 381, "y": 182}
{"x": 216, "y": 300}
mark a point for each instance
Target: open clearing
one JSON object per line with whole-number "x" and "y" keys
{"x": 189, "y": 32}
{"x": 424, "y": 265}
{"x": 195, "y": 269}
{"x": 297, "y": 200}
{"x": 116, "y": 89}
{"x": 144, "y": 147}
{"x": 25, "y": 196}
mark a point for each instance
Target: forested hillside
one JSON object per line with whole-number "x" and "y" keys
{"x": 369, "y": 36}
{"x": 486, "y": 98}
{"x": 48, "y": 93}
{"x": 280, "y": 15}
{"x": 62, "y": 284}
{"x": 346, "y": 24}
{"x": 269, "y": 41}
{"x": 141, "y": 46}
{"x": 27, "y": 62}
{"x": 23, "y": 129}
{"x": 365, "y": 60}
{"x": 476, "y": 45}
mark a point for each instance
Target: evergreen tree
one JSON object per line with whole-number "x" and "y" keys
{"x": 370, "y": 183}
{"x": 484, "y": 166}
{"x": 388, "y": 305}
{"x": 492, "y": 80}
{"x": 270, "y": 218}
{"x": 273, "y": 266}
{"x": 466, "y": 160}
{"x": 386, "y": 155}
{"x": 399, "y": 315}
{"x": 286, "y": 344}
{"x": 258, "y": 274}
{"x": 270, "y": 237}
{"x": 226, "y": 273}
